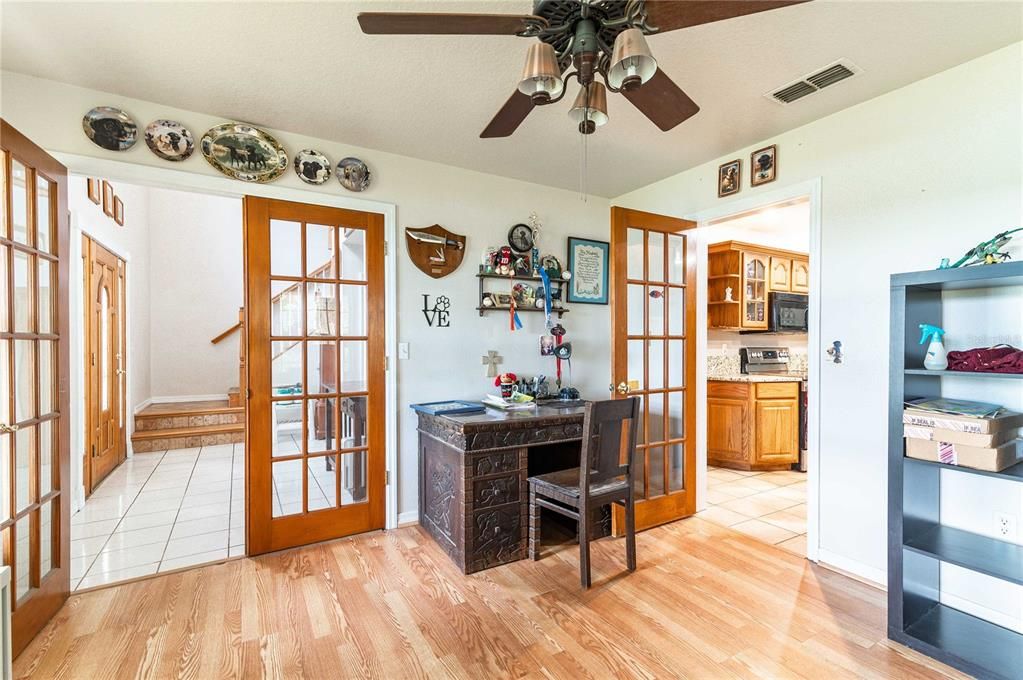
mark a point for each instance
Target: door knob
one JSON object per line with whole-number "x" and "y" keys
{"x": 7, "y": 429}
{"x": 623, "y": 388}
{"x": 121, "y": 371}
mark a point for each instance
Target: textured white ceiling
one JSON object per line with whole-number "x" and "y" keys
{"x": 306, "y": 68}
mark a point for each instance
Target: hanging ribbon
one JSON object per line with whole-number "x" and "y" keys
{"x": 546, "y": 297}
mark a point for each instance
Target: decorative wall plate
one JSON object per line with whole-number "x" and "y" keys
{"x": 244, "y": 152}
{"x": 312, "y": 167}
{"x": 170, "y": 140}
{"x": 110, "y": 128}
{"x": 353, "y": 174}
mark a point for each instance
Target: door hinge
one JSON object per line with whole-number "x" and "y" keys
{"x": 385, "y": 248}
{"x": 387, "y": 363}
{"x": 387, "y": 478}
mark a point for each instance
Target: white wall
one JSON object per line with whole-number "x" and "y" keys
{"x": 445, "y": 362}
{"x": 130, "y": 243}
{"x": 921, "y": 173}
{"x": 196, "y": 287}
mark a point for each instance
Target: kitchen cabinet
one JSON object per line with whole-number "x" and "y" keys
{"x": 740, "y": 276}
{"x": 752, "y": 425}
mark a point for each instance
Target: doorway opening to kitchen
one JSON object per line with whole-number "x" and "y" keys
{"x": 757, "y": 308}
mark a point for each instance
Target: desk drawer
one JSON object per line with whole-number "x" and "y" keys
{"x": 495, "y": 463}
{"x": 487, "y": 493}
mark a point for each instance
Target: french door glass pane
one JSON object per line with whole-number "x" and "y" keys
{"x": 45, "y": 296}
{"x": 655, "y": 463}
{"x": 676, "y": 259}
{"x": 287, "y": 427}
{"x": 655, "y": 318}
{"x": 321, "y": 482}
{"x": 286, "y": 367}
{"x": 21, "y": 557}
{"x": 25, "y": 380}
{"x": 676, "y": 415}
{"x": 3, "y": 196}
{"x": 353, "y": 254}
{"x": 676, "y": 311}
{"x": 44, "y": 228}
{"x": 353, "y": 366}
{"x": 46, "y": 451}
{"x": 23, "y": 294}
{"x": 23, "y": 444}
{"x": 635, "y": 299}
{"x": 285, "y": 248}
{"x": 321, "y": 366}
{"x": 286, "y": 311}
{"x": 46, "y": 377}
{"x": 4, "y": 255}
{"x": 19, "y": 202}
{"x": 322, "y": 426}
{"x": 321, "y": 308}
{"x": 655, "y": 418}
{"x": 634, "y": 256}
{"x": 319, "y": 251}
{"x": 353, "y": 477}
{"x": 676, "y": 467}
{"x": 636, "y": 351}
{"x": 287, "y": 487}
{"x": 5, "y": 477}
{"x": 353, "y": 423}
{"x": 5, "y": 382}
{"x": 676, "y": 363}
{"x": 104, "y": 348}
{"x": 655, "y": 256}
{"x": 353, "y": 310}
{"x": 655, "y": 364}
{"x": 46, "y": 542}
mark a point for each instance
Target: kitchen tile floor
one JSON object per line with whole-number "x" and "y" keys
{"x": 770, "y": 506}
{"x": 161, "y": 511}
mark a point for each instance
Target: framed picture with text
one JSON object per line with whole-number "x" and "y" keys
{"x": 588, "y": 263}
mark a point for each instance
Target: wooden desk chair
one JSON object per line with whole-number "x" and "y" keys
{"x": 601, "y": 478}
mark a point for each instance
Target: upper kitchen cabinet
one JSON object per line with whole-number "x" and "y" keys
{"x": 740, "y": 276}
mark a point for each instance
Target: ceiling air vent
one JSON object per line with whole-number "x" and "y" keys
{"x": 809, "y": 84}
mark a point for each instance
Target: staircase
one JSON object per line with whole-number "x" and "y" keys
{"x": 185, "y": 425}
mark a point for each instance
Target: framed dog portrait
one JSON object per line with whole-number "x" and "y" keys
{"x": 763, "y": 165}
{"x": 729, "y": 178}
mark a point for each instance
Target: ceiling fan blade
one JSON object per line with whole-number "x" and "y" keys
{"x": 662, "y": 101}
{"x": 418, "y": 23}
{"x": 669, "y": 15}
{"x": 511, "y": 115}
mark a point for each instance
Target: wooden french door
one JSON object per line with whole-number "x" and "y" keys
{"x": 653, "y": 307}
{"x": 314, "y": 303}
{"x": 34, "y": 431}
{"x": 105, "y": 354}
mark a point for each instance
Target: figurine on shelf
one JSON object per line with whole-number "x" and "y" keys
{"x": 489, "y": 256}
{"x": 522, "y": 266}
{"x": 503, "y": 261}
{"x": 728, "y": 294}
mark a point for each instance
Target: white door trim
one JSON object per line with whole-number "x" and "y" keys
{"x": 812, "y": 190}
{"x": 185, "y": 181}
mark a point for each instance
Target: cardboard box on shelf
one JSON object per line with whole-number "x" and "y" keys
{"x": 980, "y": 458}
{"x": 984, "y": 441}
{"x": 1008, "y": 420}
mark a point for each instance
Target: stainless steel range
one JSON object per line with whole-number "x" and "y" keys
{"x": 763, "y": 360}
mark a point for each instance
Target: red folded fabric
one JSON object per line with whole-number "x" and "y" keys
{"x": 1000, "y": 359}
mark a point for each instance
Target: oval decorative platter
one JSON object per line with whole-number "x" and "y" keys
{"x": 110, "y": 128}
{"x": 312, "y": 167}
{"x": 169, "y": 140}
{"x": 244, "y": 152}
{"x": 353, "y": 174}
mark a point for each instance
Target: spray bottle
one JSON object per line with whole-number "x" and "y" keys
{"x": 937, "y": 358}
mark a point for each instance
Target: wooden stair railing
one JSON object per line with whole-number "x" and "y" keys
{"x": 239, "y": 398}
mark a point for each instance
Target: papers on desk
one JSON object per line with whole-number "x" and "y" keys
{"x": 511, "y": 404}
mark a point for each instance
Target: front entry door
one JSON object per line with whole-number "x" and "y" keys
{"x": 104, "y": 361}
{"x": 35, "y": 514}
{"x": 653, "y": 295}
{"x": 314, "y": 305}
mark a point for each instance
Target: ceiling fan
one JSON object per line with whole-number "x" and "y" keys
{"x": 596, "y": 37}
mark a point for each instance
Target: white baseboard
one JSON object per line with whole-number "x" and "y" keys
{"x": 179, "y": 399}
{"x": 408, "y": 517}
{"x": 141, "y": 407}
{"x": 878, "y": 577}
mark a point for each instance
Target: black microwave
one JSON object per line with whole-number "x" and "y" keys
{"x": 787, "y": 312}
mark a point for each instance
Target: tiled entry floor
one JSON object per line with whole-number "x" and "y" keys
{"x": 161, "y": 511}
{"x": 769, "y": 506}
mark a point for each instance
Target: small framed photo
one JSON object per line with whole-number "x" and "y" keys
{"x": 546, "y": 345}
{"x": 729, "y": 178}
{"x": 118, "y": 211}
{"x": 92, "y": 184}
{"x": 763, "y": 165}
{"x": 108, "y": 199}
{"x": 588, "y": 264}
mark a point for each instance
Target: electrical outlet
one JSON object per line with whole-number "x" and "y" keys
{"x": 1005, "y": 524}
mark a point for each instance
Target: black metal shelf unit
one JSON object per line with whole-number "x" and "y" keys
{"x": 917, "y": 541}
{"x": 483, "y": 309}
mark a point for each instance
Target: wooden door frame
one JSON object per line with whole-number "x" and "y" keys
{"x": 51, "y": 594}
{"x": 810, "y": 189}
{"x": 86, "y": 313}
{"x": 621, "y": 220}
{"x": 168, "y": 178}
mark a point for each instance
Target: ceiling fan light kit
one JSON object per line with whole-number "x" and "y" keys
{"x": 603, "y": 38}
{"x": 541, "y": 76}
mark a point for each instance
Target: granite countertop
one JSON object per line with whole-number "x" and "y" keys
{"x": 739, "y": 377}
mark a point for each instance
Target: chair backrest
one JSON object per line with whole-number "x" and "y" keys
{"x": 602, "y": 438}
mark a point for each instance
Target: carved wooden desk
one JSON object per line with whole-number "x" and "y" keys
{"x": 473, "y": 494}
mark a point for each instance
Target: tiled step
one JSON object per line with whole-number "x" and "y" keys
{"x": 187, "y": 437}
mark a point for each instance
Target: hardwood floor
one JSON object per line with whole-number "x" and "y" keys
{"x": 706, "y": 602}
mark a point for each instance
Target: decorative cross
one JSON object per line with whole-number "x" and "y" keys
{"x": 492, "y": 360}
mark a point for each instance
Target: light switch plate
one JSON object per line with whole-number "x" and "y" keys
{"x": 402, "y": 350}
